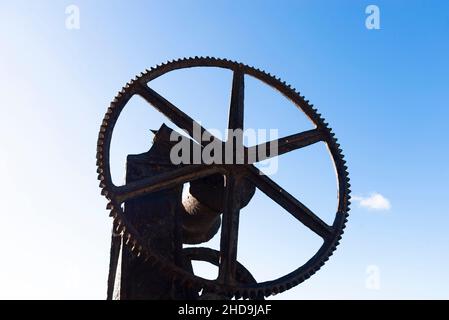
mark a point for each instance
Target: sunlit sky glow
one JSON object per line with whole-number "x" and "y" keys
{"x": 384, "y": 92}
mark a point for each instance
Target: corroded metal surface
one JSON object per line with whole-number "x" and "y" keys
{"x": 235, "y": 176}
{"x": 157, "y": 217}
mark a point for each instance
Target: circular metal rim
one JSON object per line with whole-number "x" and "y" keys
{"x": 267, "y": 287}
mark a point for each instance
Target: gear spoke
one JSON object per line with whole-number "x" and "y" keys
{"x": 229, "y": 232}
{"x": 234, "y": 143}
{"x": 290, "y": 203}
{"x": 284, "y": 145}
{"x": 164, "y": 181}
{"x": 237, "y": 97}
{"x": 175, "y": 115}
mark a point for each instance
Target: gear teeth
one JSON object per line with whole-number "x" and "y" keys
{"x": 113, "y": 214}
{"x": 133, "y": 242}
{"x": 119, "y": 228}
{"x": 128, "y": 239}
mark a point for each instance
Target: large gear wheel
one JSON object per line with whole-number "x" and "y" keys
{"x": 226, "y": 284}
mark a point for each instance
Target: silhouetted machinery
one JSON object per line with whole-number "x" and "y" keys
{"x": 152, "y": 220}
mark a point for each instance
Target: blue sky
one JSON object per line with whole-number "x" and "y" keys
{"x": 384, "y": 92}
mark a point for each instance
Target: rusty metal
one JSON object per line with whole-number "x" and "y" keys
{"x": 157, "y": 217}
{"x": 227, "y": 283}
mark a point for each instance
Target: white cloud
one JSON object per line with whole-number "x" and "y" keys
{"x": 375, "y": 201}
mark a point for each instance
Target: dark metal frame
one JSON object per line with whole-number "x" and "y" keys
{"x": 234, "y": 174}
